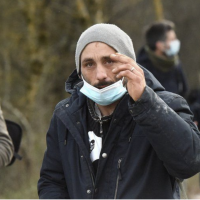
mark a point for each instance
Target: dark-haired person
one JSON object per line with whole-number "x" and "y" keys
{"x": 6, "y": 145}
{"x": 160, "y": 56}
{"x": 120, "y": 134}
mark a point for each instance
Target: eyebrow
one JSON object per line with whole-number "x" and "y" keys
{"x": 106, "y": 58}
{"x": 87, "y": 60}
{"x": 91, "y": 59}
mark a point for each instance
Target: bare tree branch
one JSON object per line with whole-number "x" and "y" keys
{"x": 7, "y": 76}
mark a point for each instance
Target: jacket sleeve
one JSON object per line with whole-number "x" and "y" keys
{"x": 6, "y": 145}
{"x": 51, "y": 184}
{"x": 170, "y": 130}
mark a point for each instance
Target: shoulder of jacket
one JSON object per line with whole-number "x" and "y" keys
{"x": 61, "y": 103}
{"x": 169, "y": 97}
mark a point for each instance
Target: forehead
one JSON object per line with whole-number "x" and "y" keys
{"x": 97, "y": 49}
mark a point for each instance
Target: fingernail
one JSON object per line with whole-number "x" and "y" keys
{"x": 113, "y": 55}
{"x": 113, "y": 70}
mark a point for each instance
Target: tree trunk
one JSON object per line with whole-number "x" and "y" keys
{"x": 158, "y": 9}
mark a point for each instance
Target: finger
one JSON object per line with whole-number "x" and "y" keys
{"x": 125, "y": 59}
{"x": 132, "y": 78}
{"x": 129, "y": 75}
{"x": 129, "y": 67}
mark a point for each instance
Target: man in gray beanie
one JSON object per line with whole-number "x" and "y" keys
{"x": 120, "y": 134}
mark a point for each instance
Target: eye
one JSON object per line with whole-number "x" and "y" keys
{"x": 109, "y": 62}
{"x": 89, "y": 64}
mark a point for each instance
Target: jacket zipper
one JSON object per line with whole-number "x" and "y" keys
{"x": 101, "y": 126}
{"x": 91, "y": 178}
{"x": 90, "y": 170}
{"x": 101, "y": 133}
{"x": 119, "y": 176}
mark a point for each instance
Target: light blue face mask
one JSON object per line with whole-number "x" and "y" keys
{"x": 104, "y": 96}
{"x": 174, "y": 48}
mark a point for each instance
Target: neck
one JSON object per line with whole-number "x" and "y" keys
{"x": 160, "y": 53}
{"x": 109, "y": 109}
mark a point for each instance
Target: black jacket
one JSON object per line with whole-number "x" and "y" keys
{"x": 149, "y": 143}
{"x": 173, "y": 80}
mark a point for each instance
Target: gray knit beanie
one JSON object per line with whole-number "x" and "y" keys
{"x": 109, "y": 34}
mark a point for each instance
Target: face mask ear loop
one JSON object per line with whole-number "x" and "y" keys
{"x": 83, "y": 78}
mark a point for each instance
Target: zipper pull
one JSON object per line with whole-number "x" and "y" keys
{"x": 65, "y": 142}
{"x": 118, "y": 167}
{"x": 101, "y": 127}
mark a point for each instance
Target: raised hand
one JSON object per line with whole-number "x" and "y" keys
{"x": 134, "y": 74}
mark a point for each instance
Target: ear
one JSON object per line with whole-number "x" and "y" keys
{"x": 160, "y": 45}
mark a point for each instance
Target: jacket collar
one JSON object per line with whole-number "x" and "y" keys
{"x": 73, "y": 82}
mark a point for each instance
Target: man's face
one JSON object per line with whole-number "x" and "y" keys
{"x": 170, "y": 36}
{"x": 164, "y": 45}
{"x": 96, "y": 65}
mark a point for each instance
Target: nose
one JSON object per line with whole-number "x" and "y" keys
{"x": 101, "y": 72}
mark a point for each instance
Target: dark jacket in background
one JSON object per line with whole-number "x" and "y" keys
{"x": 194, "y": 103}
{"x": 173, "y": 80}
{"x": 149, "y": 144}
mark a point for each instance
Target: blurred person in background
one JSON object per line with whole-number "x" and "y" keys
{"x": 6, "y": 145}
{"x": 160, "y": 56}
{"x": 120, "y": 134}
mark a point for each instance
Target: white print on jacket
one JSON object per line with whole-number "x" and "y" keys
{"x": 95, "y": 146}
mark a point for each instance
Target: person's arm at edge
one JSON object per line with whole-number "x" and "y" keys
{"x": 6, "y": 145}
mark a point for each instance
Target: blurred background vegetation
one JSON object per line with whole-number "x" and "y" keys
{"x": 38, "y": 40}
